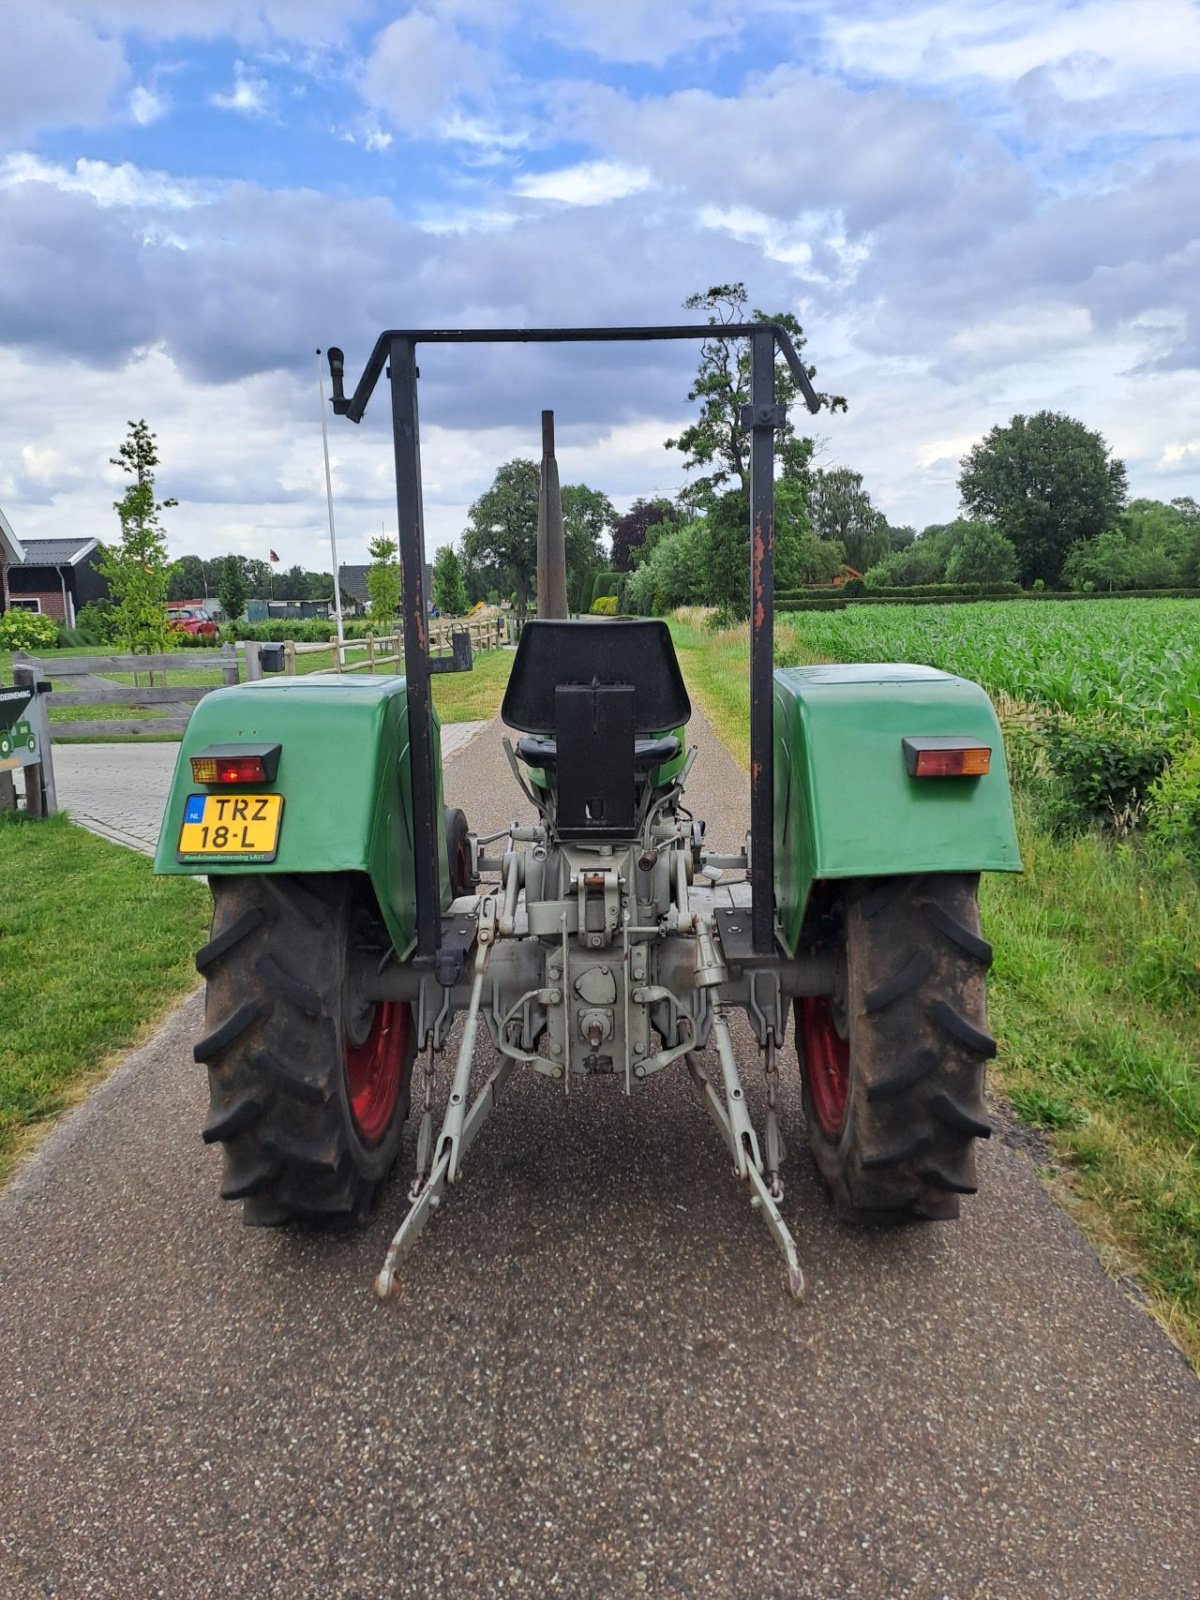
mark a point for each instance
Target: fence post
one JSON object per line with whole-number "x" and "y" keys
{"x": 229, "y": 665}
{"x": 289, "y": 657}
{"x": 370, "y": 652}
{"x": 253, "y": 665}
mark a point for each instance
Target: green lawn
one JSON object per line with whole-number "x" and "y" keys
{"x": 1095, "y": 1000}
{"x": 94, "y": 949}
{"x": 459, "y": 697}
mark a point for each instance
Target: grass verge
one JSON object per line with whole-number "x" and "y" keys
{"x": 459, "y": 697}
{"x": 1095, "y": 1001}
{"x": 94, "y": 949}
{"x": 473, "y": 696}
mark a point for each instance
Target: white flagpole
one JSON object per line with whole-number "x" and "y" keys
{"x": 337, "y": 588}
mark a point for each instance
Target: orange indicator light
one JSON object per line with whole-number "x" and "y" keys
{"x": 946, "y": 757}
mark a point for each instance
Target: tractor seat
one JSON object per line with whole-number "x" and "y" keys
{"x": 593, "y": 699}
{"x": 543, "y": 752}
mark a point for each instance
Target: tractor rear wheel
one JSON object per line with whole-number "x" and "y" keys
{"x": 892, "y": 1071}
{"x": 458, "y": 851}
{"x": 308, "y": 1089}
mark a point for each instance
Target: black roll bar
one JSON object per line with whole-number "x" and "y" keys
{"x": 395, "y": 350}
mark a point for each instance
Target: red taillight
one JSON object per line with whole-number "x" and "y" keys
{"x": 946, "y": 757}
{"x": 236, "y": 769}
{"x": 256, "y": 763}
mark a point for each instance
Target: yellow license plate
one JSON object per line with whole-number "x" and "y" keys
{"x": 231, "y": 827}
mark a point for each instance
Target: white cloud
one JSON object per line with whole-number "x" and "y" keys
{"x": 818, "y": 236}
{"x": 249, "y": 96}
{"x": 591, "y": 183}
{"x": 251, "y": 21}
{"x": 632, "y": 31}
{"x": 147, "y": 105}
{"x": 124, "y": 185}
{"x": 54, "y": 70}
{"x": 418, "y": 67}
{"x": 998, "y": 41}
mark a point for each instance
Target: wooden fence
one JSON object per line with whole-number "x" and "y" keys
{"x": 387, "y": 651}
{"x": 89, "y": 683}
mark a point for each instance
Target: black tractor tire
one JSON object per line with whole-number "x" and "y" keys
{"x": 892, "y": 1071}
{"x": 458, "y": 851}
{"x": 307, "y": 1094}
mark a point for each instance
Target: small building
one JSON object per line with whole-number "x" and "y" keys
{"x": 55, "y": 577}
{"x": 297, "y": 610}
{"x": 12, "y": 553}
{"x": 352, "y": 580}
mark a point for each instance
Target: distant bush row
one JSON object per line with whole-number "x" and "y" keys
{"x": 952, "y": 595}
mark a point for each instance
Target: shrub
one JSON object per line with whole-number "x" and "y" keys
{"x": 27, "y": 630}
{"x": 313, "y": 630}
{"x": 1174, "y": 802}
{"x": 98, "y": 619}
{"x": 1102, "y": 770}
{"x": 604, "y": 605}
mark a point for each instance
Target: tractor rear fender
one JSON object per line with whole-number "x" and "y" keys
{"x": 344, "y": 773}
{"x": 845, "y": 804}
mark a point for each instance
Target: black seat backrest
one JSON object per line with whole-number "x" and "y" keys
{"x": 585, "y": 654}
{"x": 594, "y": 739}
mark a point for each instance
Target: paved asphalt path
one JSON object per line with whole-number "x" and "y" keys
{"x": 594, "y": 1382}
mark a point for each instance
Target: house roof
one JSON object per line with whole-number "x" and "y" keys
{"x": 353, "y": 581}
{"x": 57, "y": 552}
{"x": 12, "y": 547}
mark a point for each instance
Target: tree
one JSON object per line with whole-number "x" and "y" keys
{"x": 1047, "y": 482}
{"x": 800, "y": 556}
{"x": 136, "y": 568}
{"x": 588, "y": 516}
{"x": 726, "y": 555}
{"x": 449, "y": 589}
{"x": 921, "y": 562}
{"x": 841, "y": 509}
{"x": 1100, "y": 563}
{"x": 982, "y": 555}
{"x": 630, "y": 531}
{"x": 232, "y": 589}
{"x": 259, "y": 578}
{"x": 383, "y": 579}
{"x": 672, "y": 574}
{"x": 293, "y": 583}
{"x": 502, "y": 533}
{"x": 186, "y": 579}
{"x": 717, "y": 439}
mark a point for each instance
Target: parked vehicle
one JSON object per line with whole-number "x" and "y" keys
{"x": 190, "y": 619}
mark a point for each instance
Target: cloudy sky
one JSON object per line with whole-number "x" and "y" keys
{"x": 975, "y": 207}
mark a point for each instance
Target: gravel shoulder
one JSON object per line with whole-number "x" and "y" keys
{"x": 593, "y": 1383}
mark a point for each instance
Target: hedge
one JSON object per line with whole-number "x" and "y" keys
{"x": 910, "y": 597}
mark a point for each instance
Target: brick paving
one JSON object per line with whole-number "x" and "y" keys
{"x": 120, "y": 790}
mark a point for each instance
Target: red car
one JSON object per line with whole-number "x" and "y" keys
{"x": 188, "y": 619}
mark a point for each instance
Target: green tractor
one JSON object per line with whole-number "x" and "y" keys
{"x": 357, "y": 921}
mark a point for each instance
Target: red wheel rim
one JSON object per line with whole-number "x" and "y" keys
{"x": 375, "y": 1070}
{"x": 826, "y": 1058}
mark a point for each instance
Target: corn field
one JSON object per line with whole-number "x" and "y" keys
{"x": 1139, "y": 657}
